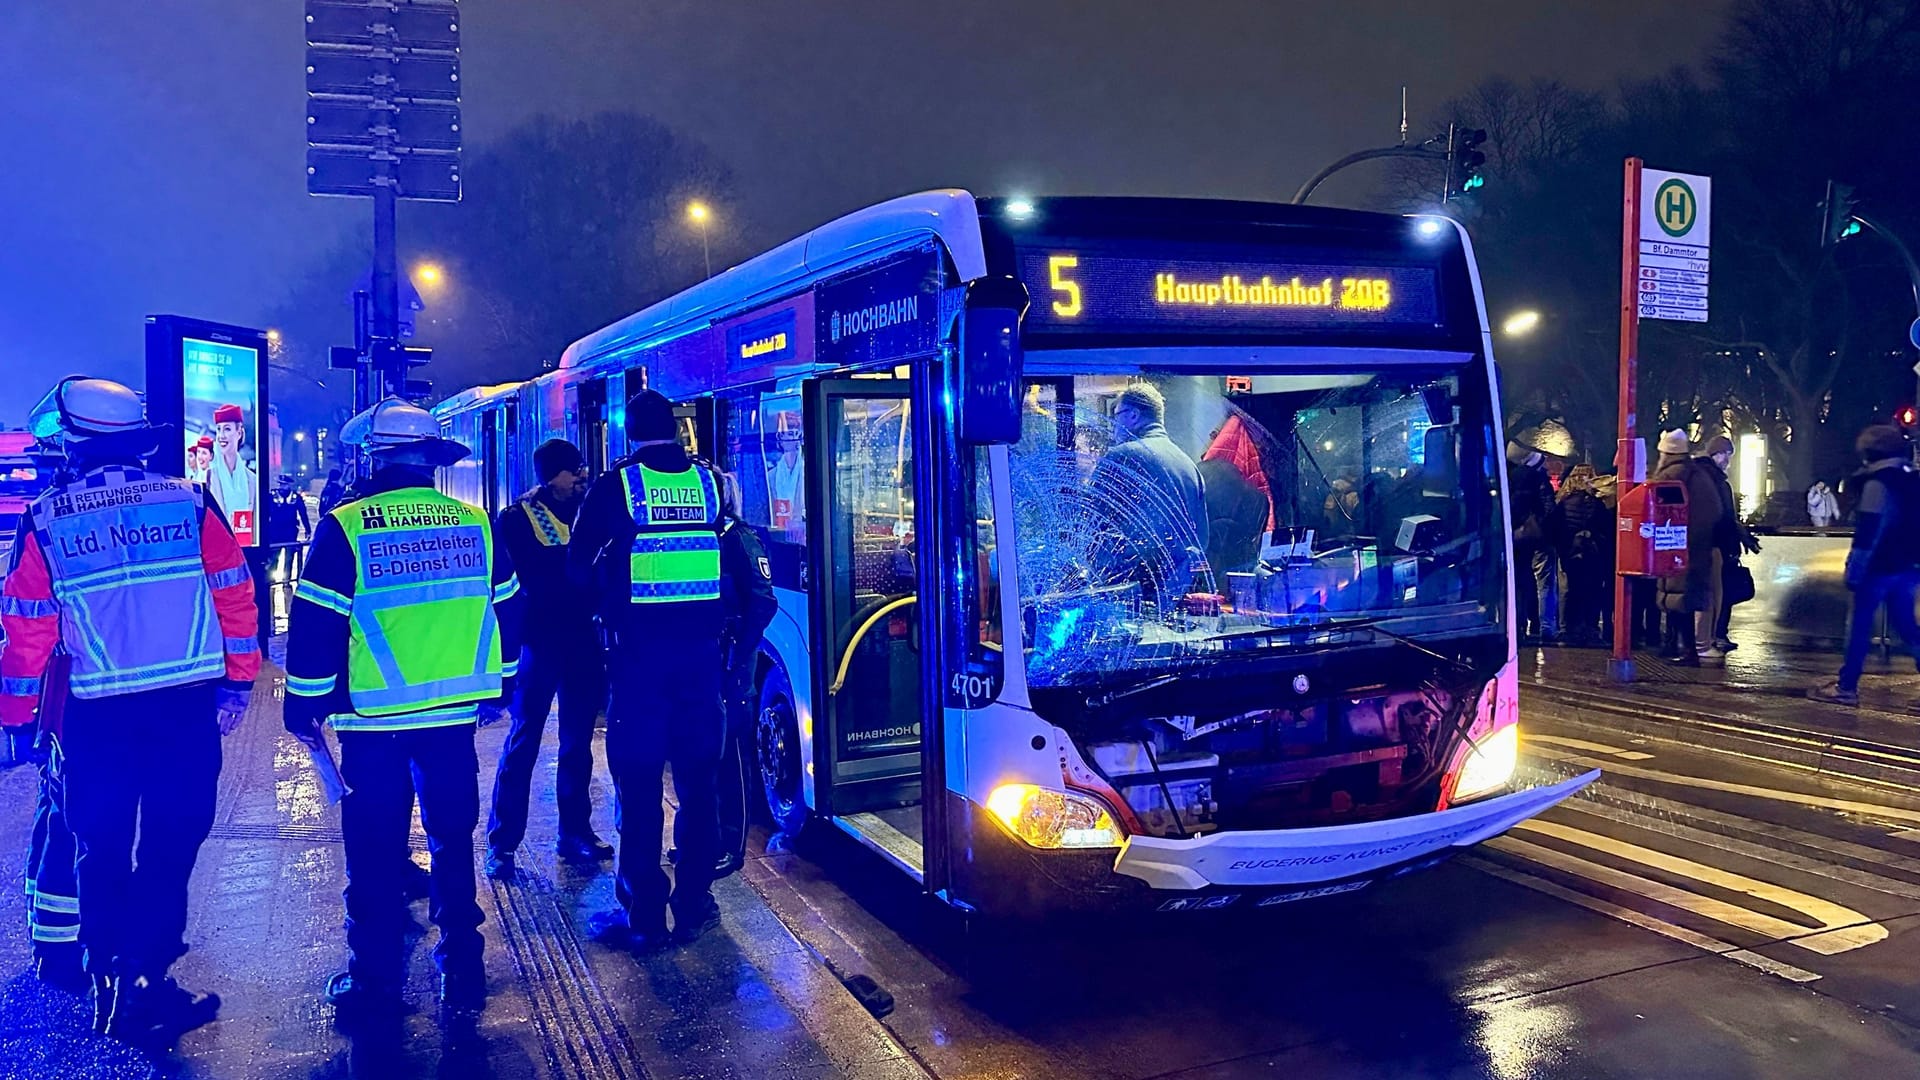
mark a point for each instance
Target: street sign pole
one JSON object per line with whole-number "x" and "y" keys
{"x": 1629, "y": 461}
{"x": 386, "y": 277}
{"x": 383, "y": 123}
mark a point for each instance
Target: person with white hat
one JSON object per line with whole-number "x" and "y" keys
{"x": 137, "y": 576}
{"x": 1685, "y": 595}
{"x": 404, "y": 635}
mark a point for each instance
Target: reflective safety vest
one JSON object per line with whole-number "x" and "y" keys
{"x": 422, "y": 639}
{"x": 548, "y": 529}
{"x": 675, "y": 557}
{"x": 136, "y": 607}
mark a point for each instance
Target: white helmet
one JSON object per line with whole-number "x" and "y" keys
{"x": 80, "y": 408}
{"x": 395, "y": 430}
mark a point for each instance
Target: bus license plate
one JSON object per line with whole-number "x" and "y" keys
{"x": 1308, "y": 894}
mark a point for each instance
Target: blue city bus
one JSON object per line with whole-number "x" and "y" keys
{"x": 1228, "y": 477}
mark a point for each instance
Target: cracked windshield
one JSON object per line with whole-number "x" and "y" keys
{"x": 1166, "y": 519}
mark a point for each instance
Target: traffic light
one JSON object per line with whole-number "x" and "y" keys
{"x": 1837, "y": 220}
{"x": 1907, "y": 419}
{"x": 1465, "y": 160}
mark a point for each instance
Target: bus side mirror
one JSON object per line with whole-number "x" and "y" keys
{"x": 990, "y": 362}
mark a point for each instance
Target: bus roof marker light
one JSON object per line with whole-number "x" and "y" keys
{"x": 1020, "y": 208}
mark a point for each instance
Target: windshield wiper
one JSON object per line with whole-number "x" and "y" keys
{"x": 1371, "y": 623}
{"x": 1101, "y": 701}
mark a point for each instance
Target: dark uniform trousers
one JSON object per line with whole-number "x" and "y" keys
{"x": 384, "y": 769}
{"x": 53, "y": 898}
{"x": 142, "y": 774}
{"x": 575, "y": 672}
{"x": 665, "y": 709}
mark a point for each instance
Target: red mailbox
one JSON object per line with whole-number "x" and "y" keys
{"x": 1652, "y": 536}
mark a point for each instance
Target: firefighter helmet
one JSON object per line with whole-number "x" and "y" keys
{"x": 80, "y": 408}
{"x": 394, "y": 430}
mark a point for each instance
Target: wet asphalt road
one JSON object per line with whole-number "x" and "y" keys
{"x": 1692, "y": 915}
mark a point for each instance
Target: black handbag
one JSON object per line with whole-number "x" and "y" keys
{"x": 1736, "y": 585}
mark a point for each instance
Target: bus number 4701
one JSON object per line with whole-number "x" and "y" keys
{"x": 971, "y": 688}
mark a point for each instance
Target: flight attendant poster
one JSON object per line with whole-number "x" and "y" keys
{"x": 222, "y": 428}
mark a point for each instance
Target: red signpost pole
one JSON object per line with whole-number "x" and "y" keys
{"x": 1629, "y": 462}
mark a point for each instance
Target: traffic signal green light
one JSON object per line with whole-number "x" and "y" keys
{"x": 1837, "y": 220}
{"x": 1465, "y": 159}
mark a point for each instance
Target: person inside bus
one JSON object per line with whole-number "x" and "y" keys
{"x": 1239, "y": 506}
{"x": 1160, "y": 509}
{"x": 786, "y": 480}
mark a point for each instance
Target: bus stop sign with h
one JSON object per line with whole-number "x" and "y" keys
{"x": 1665, "y": 236}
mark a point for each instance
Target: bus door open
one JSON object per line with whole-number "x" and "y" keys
{"x": 588, "y": 407}
{"x": 868, "y": 663}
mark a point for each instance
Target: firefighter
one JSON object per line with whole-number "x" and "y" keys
{"x": 560, "y": 658}
{"x": 749, "y": 607}
{"x": 53, "y": 896}
{"x": 648, "y": 537}
{"x": 53, "y": 900}
{"x": 396, "y": 638}
{"x": 138, "y": 578}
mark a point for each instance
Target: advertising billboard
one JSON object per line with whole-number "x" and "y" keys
{"x": 208, "y": 382}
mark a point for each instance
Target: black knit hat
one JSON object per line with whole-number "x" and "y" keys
{"x": 650, "y": 417}
{"x": 554, "y": 457}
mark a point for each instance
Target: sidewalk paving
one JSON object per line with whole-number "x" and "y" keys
{"x": 1756, "y": 704}
{"x": 748, "y": 1001}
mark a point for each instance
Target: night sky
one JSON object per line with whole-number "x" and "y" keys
{"x": 154, "y": 150}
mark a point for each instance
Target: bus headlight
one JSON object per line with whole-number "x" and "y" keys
{"x": 1046, "y": 818}
{"x": 1488, "y": 765}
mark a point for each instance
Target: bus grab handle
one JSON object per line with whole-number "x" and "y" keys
{"x": 846, "y": 658}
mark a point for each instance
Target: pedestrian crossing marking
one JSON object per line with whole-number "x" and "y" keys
{"x": 1645, "y": 922}
{"x": 1582, "y": 744}
{"x": 1840, "y": 929}
{"x": 1850, "y": 806}
{"x": 1775, "y": 855}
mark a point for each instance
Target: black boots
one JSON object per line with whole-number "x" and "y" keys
{"x": 155, "y": 1012}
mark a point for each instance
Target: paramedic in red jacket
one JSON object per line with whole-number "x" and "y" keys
{"x": 138, "y": 577}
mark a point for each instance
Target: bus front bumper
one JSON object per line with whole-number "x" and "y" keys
{"x": 1227, "y": 870}
{"x": 1311, "y": 856}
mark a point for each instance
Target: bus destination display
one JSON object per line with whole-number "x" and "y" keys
{"x": 1092, "y": 291}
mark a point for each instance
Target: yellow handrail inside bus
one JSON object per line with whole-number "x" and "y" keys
{"x": 846, "y": 658}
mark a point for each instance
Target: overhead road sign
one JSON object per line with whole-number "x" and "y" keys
{"x": 422, "y": 24}
{"x": 417, "y": 175}
{"x": 412, "y": 125}
{"x": 1676, "y": 216}
{"x": 370, "y": 74}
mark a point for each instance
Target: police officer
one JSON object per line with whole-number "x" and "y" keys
{"x": 396, "y": 638}
{"x": 747, "y": 593}
{"x": 649, "y": 537}
{"x": 138, "y": 578}
{"x": 560, "y": 657}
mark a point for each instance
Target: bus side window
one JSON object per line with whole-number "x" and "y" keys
{"x": 786, "y": 471}
{"x": 741, "y": 452}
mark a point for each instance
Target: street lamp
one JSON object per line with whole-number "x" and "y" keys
{"x": 699, "y": 214}
{"x": 299, "y": 436}
{"x": 273, "y": 337}
{"x": 428, "y": 274}
{"x": 1520, "y": 323}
